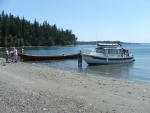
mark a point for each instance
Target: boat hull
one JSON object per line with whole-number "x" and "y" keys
{"x": 96, "y": 60}
{"x": 27, "y": 57}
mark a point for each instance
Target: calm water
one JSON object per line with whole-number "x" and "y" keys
{"x": 136, "y": 71}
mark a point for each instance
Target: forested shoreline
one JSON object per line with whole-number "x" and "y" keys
{"x": 16, "y": 31}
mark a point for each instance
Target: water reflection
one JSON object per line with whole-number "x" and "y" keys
{"x": 114, "y": 70}
{"x": 123, "y": 70}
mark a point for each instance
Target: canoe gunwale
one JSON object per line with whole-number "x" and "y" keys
{"x": 27, "y": 57}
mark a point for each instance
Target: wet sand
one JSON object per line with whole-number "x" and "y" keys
{"x": 28, "y": 88}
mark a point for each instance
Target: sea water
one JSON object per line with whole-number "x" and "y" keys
{"x": 139, "y": 70}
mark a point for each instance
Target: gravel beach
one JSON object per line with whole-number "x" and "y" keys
{"x": 27, "y": 88}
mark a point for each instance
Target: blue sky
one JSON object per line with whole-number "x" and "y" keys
{"x": 89, "y": 20}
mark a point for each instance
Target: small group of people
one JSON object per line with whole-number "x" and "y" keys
{"x": 125, "y": 52}
{"x": 13, "y": 54}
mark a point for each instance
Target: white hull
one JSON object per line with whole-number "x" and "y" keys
{"x": 97, "y": 60}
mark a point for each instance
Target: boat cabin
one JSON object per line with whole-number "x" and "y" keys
{"x": 112, "y": 49}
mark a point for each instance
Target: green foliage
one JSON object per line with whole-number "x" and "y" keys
{"x": 20, "y": 32}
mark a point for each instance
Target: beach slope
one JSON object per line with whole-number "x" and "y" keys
{"x": 25, "y": 87}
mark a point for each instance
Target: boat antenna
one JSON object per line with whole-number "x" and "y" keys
{"x": 96, "y": 37}
{"x": 119, "y": 44}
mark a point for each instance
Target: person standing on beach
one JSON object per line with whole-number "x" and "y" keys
{"x": 80, "y": 58}
{"x": 22, "y": 51}
{"x": 6, "y": 55}
{"x": 15, "y": 54}
{"x": 12, "y": 54}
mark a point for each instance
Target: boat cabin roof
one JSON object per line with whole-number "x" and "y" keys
{"x": 110, "y": 48}
{"x": 108, "y": 45}
{"x": 113, "y": 48}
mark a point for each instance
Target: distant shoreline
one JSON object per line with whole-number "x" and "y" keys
{"x": 82, "y": 43}
{"x": 95, "y": 42}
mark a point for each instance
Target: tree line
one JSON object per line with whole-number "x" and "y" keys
{"x": 21, "y": 32}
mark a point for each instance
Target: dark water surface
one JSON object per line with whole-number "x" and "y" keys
{"x": 136, "y": 71}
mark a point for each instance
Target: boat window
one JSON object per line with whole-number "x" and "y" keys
{"x": 100, "y": 51}
{"x": 113, "y": 51}
{"x": 110, "y": 51}
{"x": 119, "y": 51}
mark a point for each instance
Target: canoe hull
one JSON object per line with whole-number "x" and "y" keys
{"x": 27, "y": 57}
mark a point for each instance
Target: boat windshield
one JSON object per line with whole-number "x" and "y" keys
{"x": 109, "y": 50}
{"x": 100, "y": 50}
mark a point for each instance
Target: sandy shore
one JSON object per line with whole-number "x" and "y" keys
{"x": 29, "y": 88}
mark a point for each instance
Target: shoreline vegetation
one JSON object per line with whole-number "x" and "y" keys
{"x": 16, "y": 31}
{"x": 26, "y": 87}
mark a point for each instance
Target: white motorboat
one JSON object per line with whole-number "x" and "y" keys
{"x": 108, "y": 53}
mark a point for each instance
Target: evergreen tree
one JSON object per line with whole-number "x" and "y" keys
{"x": 20, "y": 32}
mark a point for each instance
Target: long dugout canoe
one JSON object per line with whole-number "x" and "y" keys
{"x": 27, "y": 57}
